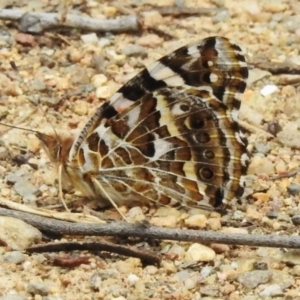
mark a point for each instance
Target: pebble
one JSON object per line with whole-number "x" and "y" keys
{"x": 135, "y": 214}
{"x": 98, "y": 80}
{"x": 3, "y": 152}
{"x": 214, "y": 223}
{"x": 12, "y": 297}
{"x": 15, "y": 257}
{"x": 6, "y": 38}
{"x": 25, "y": 188}
{"x": 262, "y": 197}
{"x": 151, "y": 270}
{"x": 222, "y": 16}
{"x": 252, "y": 279}
{"x": 90, "y": 38}
{"x": 268, "y": 90}
{"x": 95, "y": 281}
{"x": 199, "y": 252}
{"x": 42, "y": 288}
{"x": 256, "y": 75}
{"x": 271, "y": 291}
{"x": 293, "y": 189}
{"x": 80, "y": 108}
{"x": 262, "y": 148}
{"x": 13, "y": 177}
{"x": 291, "y": 257}
{"x": 17, "y": 234}
{"x": 206, "y": 271}
{"x": 135, "y": 50}
{"x": 152, "y": 18}
{"x": 150, "y": 40}
{"x": 296, "y": 220}
{"x": 196, "y": 221}
{"x": 289, "y": 136}
{"x": 132, "y": 279}
{"x": 260, "y": 165}
{"x": 165, "y": 217}
{"x": 103, "y": 92}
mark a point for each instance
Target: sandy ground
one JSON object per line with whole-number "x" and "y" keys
{"x": 69, "y": 73}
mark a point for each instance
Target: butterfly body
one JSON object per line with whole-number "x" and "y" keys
{"x": 170, "y": 135}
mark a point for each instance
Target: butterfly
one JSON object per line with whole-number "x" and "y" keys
{"x": 168, "y": 136}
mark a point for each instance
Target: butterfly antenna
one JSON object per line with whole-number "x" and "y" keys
{"x": 15, "y": 68}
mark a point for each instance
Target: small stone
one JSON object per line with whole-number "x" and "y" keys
{"x": 152, "y": 18}
{"x": 260, "y": 165}
{"x": 132, "y": 279}
{"x": 168, "y": 266}
{"x": 214, "y": 223}
{"x": 296, "y": 220}
{"x": 262, "y": 197}
{"x": 135, "y": 50}
{"x": 150, "y": 40}
{"x": 135, "y": 214}
{"x": 252, "y": 279}
{"x": 103, "y": 92}
{"x": 99, "y": 80}
{"x": 220, "y": 248}
{"x": 262, "y": 148}
{"x": 3, "y": 152}
{"x": 151, "y": 270}
{"x": 199, "y": 252}
{"x": 80, "y": 108}
{"x": 17, "y": 234}
{"x": 90, "y": 38}
{"x": 274, "y": 6}
{"x": 293, "y": 189}
{"x": 95, "y": 281}
{"x": 12, "y": 297}
{"x": 196, "y": 221}
{"x": 15, "y": 257}
{"x": 268, "y": 90}
{"x": 291, "y": 257}
{"x": 256, "y": 75}
{"x": 222, "y": 16}
{"x": 25, "y": 188}
{"x": 25, "y": 39}
{"x": 206, "y": 271}
{"x": 271, "y": 291}
{"x": 42, "y": 288}
{"x": 166, "y": 217}
{"x": 13, "y": 177}
{"x": 272, "y": 214}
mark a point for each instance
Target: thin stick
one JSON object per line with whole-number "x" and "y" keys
{"x": 276, "y": 68}
{"x": 145, "y": 255}
{"x": 145, "y": 230}
{"x": 37, "y": 22}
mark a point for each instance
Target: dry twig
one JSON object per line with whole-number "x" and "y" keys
{"x": 276, "y": 68}
{"x": 145, "y": 230}
{"x": 182, "y": 10}
{"x": 144, "y": 255}
{"x": 37, "y": 22}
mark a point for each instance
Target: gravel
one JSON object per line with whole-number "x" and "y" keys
{"x": 71, "y": 73}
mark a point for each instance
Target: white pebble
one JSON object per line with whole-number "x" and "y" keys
{"x": 103, "y": 92}
{"x": 198, "y": 252}
{"x": 99, "y": 80}
{"x": 132, "y": 278}
{"x": 90, "y": 38}
{"x": 268, "y": 90}
{"x": 205, "y": 271}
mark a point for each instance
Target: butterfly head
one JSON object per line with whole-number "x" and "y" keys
{"x": 56, "y": 147}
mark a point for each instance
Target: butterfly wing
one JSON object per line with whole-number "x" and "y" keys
{"x": 171, "y": 133}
